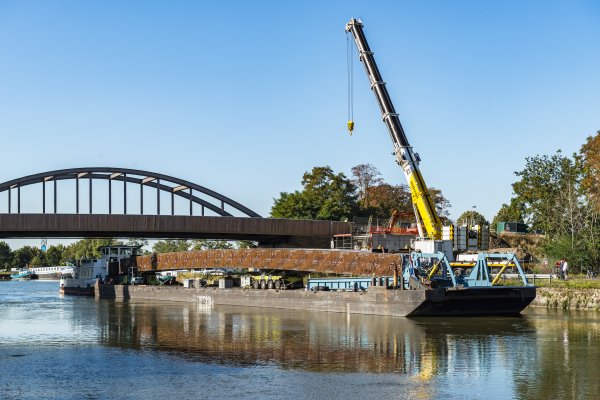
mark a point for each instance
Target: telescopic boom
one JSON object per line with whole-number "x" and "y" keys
{"x": 428, "y": 221}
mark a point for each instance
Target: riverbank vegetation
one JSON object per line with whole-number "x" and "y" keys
{"x": 559, "y": 196}
{"x": 29, "y": 256}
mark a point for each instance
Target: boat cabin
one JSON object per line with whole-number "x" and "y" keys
{"x": 110, "y": 264}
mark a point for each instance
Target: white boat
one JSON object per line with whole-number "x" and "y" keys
{"x": 53, "y": 272}
{"x": 109, "y": 267}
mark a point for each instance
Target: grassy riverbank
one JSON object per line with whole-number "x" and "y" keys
{"x": 577, "y": 282}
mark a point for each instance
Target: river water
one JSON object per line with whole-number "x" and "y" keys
{"x": 54, "y": 347}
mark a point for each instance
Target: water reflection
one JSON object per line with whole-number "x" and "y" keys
{"x": 566, "y": 358}
{"x": 544, "y": 354}
{"x": 322, "y": 342}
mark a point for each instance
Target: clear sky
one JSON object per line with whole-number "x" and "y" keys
{"x": 243, "y": 97}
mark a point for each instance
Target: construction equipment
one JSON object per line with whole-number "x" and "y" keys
{"x": 279, "y": 280}
{"x": 434, "y": 270}
{"x": 428, "y": 220}
{"x": 432, "y": 236}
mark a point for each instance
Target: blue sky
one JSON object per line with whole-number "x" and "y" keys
{"x": 243, "y": 97}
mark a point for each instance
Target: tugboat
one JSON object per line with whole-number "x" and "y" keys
{"x": 88, "y": 272}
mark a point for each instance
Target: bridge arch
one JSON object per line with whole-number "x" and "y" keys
{"x": 211, "y": 200}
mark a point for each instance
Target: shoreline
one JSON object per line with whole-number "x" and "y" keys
{"x": 567, "y": 298}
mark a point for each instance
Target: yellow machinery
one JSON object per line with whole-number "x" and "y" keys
{"x": 428, "y": 221}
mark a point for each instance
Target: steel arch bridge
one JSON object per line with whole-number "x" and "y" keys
{"x": 87, "y": 221}
{"x": 161, "y": 183}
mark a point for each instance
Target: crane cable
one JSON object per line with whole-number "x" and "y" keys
{"x": 350, "y": 71}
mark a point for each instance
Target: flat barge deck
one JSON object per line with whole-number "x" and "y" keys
{"x": 500, "y": 300}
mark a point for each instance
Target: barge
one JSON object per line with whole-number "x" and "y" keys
{"x": 422, "y": 285}
{"x": 501, "y": 301}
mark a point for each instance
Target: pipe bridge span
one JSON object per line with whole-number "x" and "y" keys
{"x": 357, "y": 263}
{"x": 121, "y": 202}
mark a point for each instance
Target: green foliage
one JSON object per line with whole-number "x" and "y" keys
{"x": 590, "y": 160}
{"x": 549, "y": 191}
{"x": 471, "y": 217}
{"x": 171, "y": 246}
{"x": 331, "y": 196}
{"x": 325, "y": 196}
{"x": 211, "y": 245}
{"x": 23, "y": 257}
{"x": 442, "y": 205}
{"x": 54, "y": 255}
{"x": 563, "y": 247}
{"x": 560, "y": 196}
{"x": 39, "y": 260}
{"x": 86, "y": 248}
{"x": 384, "y": 198}
{"x": 246, "y": 244}
{"x": 512, "y": 212}
{"x": 6, "y": 256}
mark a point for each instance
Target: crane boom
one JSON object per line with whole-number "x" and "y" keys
{"x": 427, "y": 217}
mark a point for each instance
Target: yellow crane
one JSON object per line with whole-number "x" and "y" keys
{"x": 428, "y": 220}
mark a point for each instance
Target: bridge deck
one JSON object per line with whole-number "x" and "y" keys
{"x": 303, "y": 233}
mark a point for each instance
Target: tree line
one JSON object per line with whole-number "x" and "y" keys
{"x": 327, "y": 195}
{"x": 30, "y": 256}
{"x": 559, "y": 195}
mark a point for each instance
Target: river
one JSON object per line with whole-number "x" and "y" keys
{"x": 54, "y": 347}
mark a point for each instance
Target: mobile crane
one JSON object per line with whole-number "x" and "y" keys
{"x": 428, "y": 221}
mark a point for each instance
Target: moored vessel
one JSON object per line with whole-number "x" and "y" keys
{"x": 53, "y": 272}
{"x": 90, "y": 271}
{"x": 23, "y": 274}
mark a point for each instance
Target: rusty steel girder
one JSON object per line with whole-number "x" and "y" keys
{"x": 347, "y": 262}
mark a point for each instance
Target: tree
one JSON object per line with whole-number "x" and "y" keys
{"x": 39, "y": 260}
{"x": 325, "y": 196}
{"x": 512, "y": 212}
{"x": 54, "y": 255}
{"x": 87, "y": 248}
{"x": 211, "y": 245}
{"x": 383, "y": 198}
{"x": 549, "y": 190}
{"x": 590, "y": 160}
{"x": 6, "y": 256}
{"x": 137, "y": 242}
{"x": 471, "y": 217}
{"x": 246, "y": 244}
{"x": 442, "y": 205}
{"x": 365, "y": 176}
{"x": 141, "y": 243}
{"x": 171, "y": 246}
{"x": 22, "y": 257}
